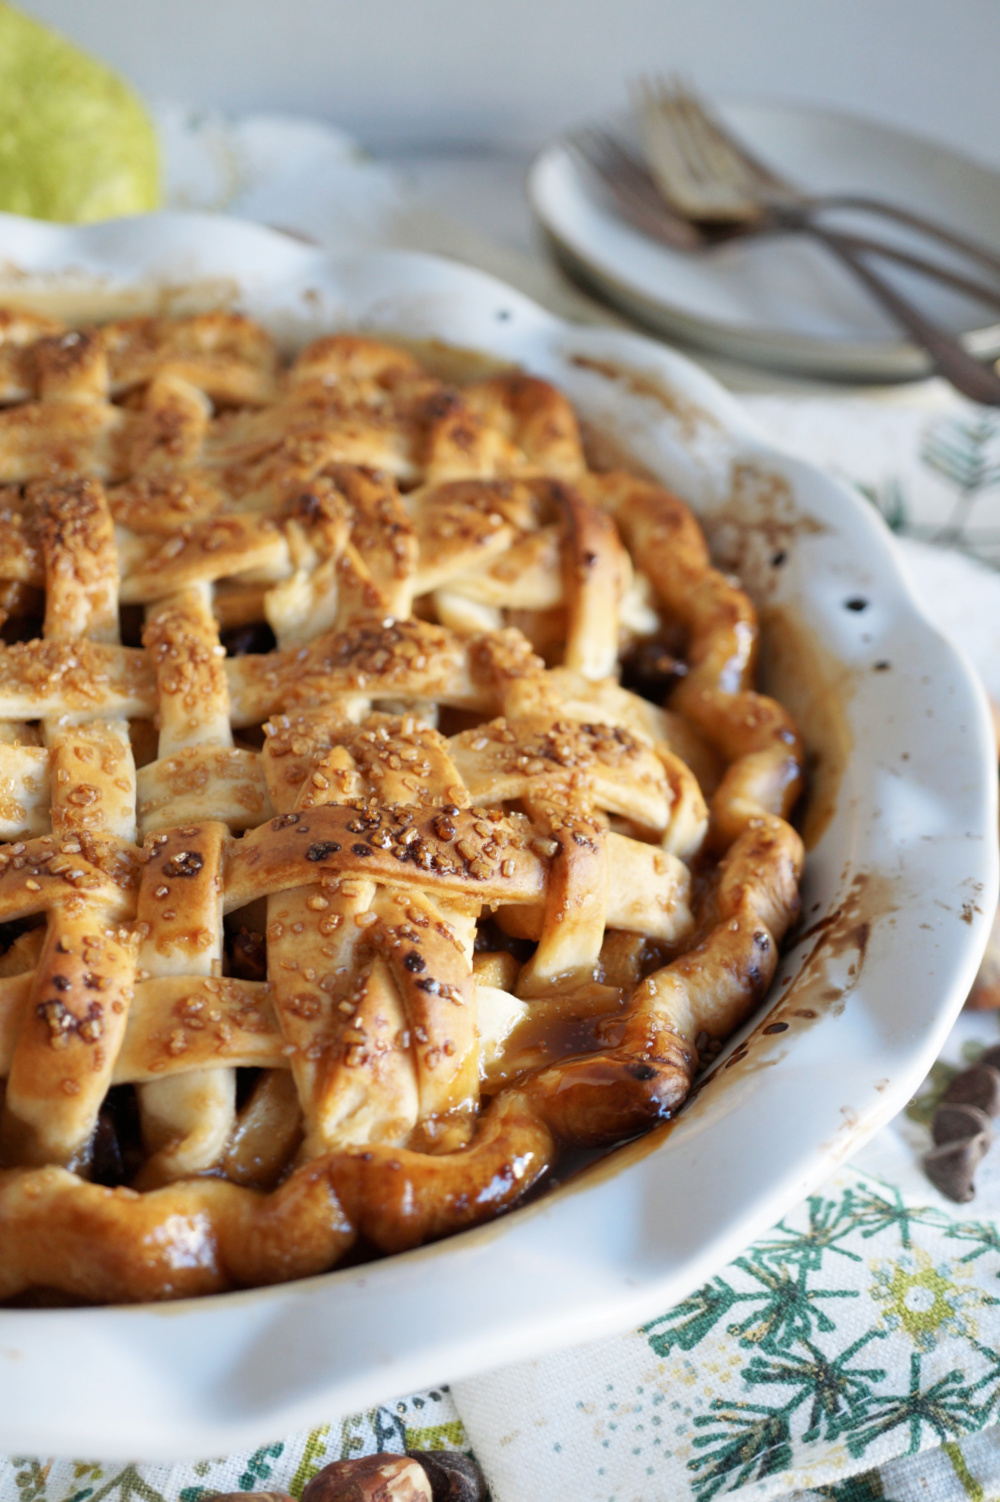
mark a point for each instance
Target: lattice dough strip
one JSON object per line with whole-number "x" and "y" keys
{"x": 493, "y": 542}
{"x": 39, "y": 875}
{"x": 352, "y": 544}
{"x": 41, "y": 439}
{"x": 187, "y": 1119}
{"x": 181, "y": 1023}
{"x": 161, "y": 503}
{"x": 529, "y": 575}
{"x": 502, "y": 761}
{"x": 409, "y": 659}
{"x": 20, "y": 536}
{"x": 166, "y": 435}
{"x": 77, "y": 1007}
{"x": 175, "y": 1024}
{"x": 80, "y": 560}
{"x": 25, "y": 793}
{"x": 69, "y": 1035}
{"x": 19, "y": 331}
{"x": 328, "y": 998}
{"x": 381, "y": 534}
{"x": 93, "y": 780}
{"x": 198, "y": 774}
{"x": 534, "y": 417}
{"x": 41, "y": 680}
{"x": 254, "y": 457}
{"x": 564, "y": 696}
{"x": 203, "y": 783}
{"x": 380, "y": 1048}
{"x": 192, "y": 693}
{"x": 316, "y": 981}
{"x": 217, "y": 548}
{"x": 576, "y": 901}
{"x": 226, "y": 355}
{"x": 465, "y": 525}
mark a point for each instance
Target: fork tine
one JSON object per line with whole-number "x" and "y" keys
{"x": 741, "y": 160}
{"x": 673, "y": 171}
{"x": 693, "y": 166}
{"x": 628, "y": 183}
{"x": 615, "y": 165}
{"x": 702, "y": 142}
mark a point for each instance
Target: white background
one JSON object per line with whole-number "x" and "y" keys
{"x": 423, "y": 75}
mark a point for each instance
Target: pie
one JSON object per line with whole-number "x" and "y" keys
{"x": 351, "y": 866}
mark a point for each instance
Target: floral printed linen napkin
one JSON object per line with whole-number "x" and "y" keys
{"x": 851, "y": 1354}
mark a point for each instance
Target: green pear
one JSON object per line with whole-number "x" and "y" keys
{"x": 76, "y": 143}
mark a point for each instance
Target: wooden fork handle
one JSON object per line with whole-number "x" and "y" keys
{"x": 970, "y": 376}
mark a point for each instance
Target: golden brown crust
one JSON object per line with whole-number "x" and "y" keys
{"x": 400, "y": 1198}
{"x": 754, "y": 734}
{"x": 368, "y": 799}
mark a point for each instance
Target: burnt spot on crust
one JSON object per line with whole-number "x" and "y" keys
{"x": 361, "y": 850}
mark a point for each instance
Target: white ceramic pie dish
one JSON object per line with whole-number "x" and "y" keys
{"x": 900, "y": 881}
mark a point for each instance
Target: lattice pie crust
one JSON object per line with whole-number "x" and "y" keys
{"x": 330, "y": 946}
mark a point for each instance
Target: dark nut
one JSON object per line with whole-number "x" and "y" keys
{"x": 951, "y": 1168}
{"x": 979, "y": 1086}
{"x": 375, "y": 1478}
{"x": 955, "y": 1123}
{"x": 452, "y": 1475}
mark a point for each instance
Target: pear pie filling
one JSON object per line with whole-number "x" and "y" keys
{"x": 385, "y": 804}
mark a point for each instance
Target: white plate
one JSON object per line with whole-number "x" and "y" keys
{"x": 903, "y": 876}
{"x": 786, "y": 302}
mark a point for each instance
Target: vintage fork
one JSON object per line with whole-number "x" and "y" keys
{"x": 625, "y": 178}
{"x": 709, "y": 178}
{"x": 752, "y": 185}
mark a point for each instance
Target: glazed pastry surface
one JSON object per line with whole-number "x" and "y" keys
{"x": 386, "y": 804}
